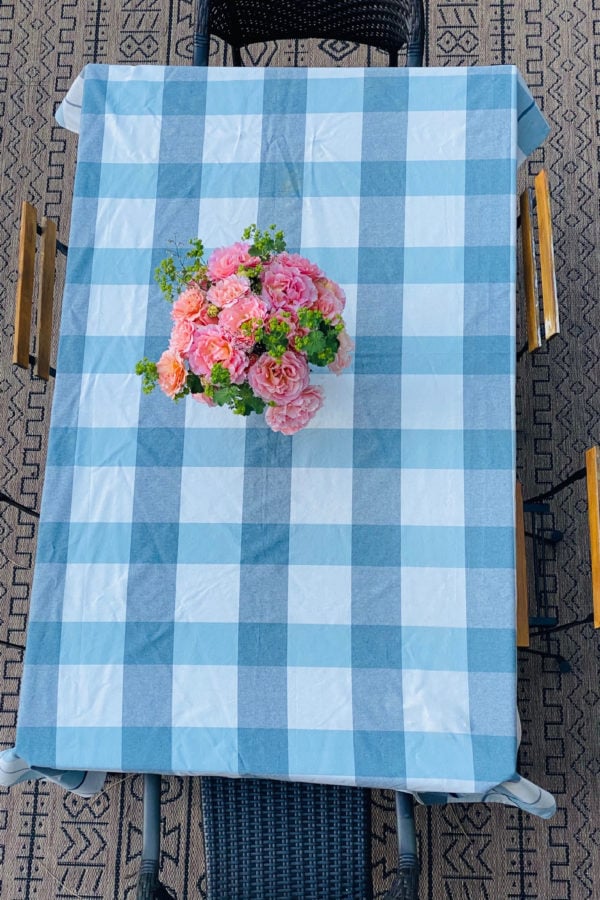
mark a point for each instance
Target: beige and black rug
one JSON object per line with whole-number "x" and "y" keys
{"x": 55, "y": 845}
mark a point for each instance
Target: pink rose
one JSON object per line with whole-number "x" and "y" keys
{"x": 281, "y": 381}
{"x": 331, "y": 299}
{"x": 171, "y": 373}
{"x": 211, "y": 346}
{"x": 226, "y": 261}
{"x": 304, "y": 266}
{"x": 293, "y": 416}
{"x": 250, "y": 309}
{"x": 245, "y": 309}
{"x": 203, "y": 398}
{"x": 285, "y": 287}
{"x": 189, "y": 303}
{"x": 342, "y": 358}
{"x": 182, "y": 335}
{"x": 228, "y": 290}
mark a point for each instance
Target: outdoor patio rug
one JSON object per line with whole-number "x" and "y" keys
{"x": 55, "y": 845}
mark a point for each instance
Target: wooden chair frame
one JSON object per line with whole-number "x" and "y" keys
{"x": 49, "y": 245}
{"x": 535, "y": 202}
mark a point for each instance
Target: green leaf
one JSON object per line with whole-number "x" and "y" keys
{"x": 264, "y": 243}
{"x": 194, "y": 383}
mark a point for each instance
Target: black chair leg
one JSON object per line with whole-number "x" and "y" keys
{"x": 201, "y": 34}
{"x": 4, "y": 498}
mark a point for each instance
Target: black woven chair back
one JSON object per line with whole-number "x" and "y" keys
{"x": 389, "y": 25}
{"x": 274, "y": 840}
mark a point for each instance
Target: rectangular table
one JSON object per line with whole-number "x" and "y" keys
{"x": 337, "y": 606}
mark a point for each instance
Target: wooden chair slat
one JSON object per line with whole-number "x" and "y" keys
{"x": 548, "y": 272}
{"x": 530, "y": 281}
{"x": 25, "y": 280}
{"x": 592, "y": 467}
{"x": 46, "y": 297}
{"x": 522, "y": 589}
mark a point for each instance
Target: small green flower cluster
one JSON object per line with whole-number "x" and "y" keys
{"x": 171, "y": 278}
{"x": 149, "y": 373}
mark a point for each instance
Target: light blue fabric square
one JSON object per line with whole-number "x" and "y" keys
{"x": 329, "y": 753}
{"x": 99, "y": 746}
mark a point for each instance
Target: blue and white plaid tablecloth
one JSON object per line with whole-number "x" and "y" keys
{"x": 212, "y": 597}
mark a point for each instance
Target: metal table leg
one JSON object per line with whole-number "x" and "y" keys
{"x": 406, "y": 882}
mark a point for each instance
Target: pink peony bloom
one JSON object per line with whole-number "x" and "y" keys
{"x": 281, "y": 381}
{"x": 171, "y": 373}
{"x": 293, "y": 416}
{"x": 285, "y": 287}
{"x": 189, "y": 303}
{"x": 304, "y": 266}
{"x": 226, "y": 261}
{"x": 182, "y": 335}
{"x": 211, "y": 346}
{"x": 228, "y": 290}
{"x": 342, "y": 358}
{"x": 246, "y": 309}
{"x": 331, "y": 299}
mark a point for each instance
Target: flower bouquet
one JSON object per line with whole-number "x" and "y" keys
{"x": 247, "y": 326}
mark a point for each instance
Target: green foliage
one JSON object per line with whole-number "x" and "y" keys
{"x": 274, "y": 339}
{"x": 194, "y": 383}
{"x": 171, "y": 278}
{"x": 264, "y": 243}
{"x": 147, "y": 369}
{"x": 321, "y": 344}
{"x": 238, "y": 397}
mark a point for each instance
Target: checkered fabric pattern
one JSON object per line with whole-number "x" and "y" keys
{"x": 212, "y": 597}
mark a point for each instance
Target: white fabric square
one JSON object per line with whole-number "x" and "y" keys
{"x": 117, "y": 309}
{"x": 235, "y": 139}
{"x": 89, "y": 696}
{"x": 434, "y": 221}
{"x": 224, "y": 73}
{"x": 109, "y": 401}
{"x": 131, "y": 139}
{"x": 133, "y": 73}
{"x": 102, "y": 494}
{"x": 221, "y": 220}
{"x": 321, "y": 496}
{"x": 319, "y": 698}
{"x": 349, "y": 314}
{"x": 207, "y": 593}
{"x": 123, "y": 224}
{"x": 330, "y": 222}
{"x": 95, "y": 592}
{"x": 433, "y": 596}
{"x": 436, "y": 701}
{"x": 199, "y": 415}
{"x": 436, "y": 135}
{"x": 432, "y": 401}
{"x": 330, "y": 138}
{"x": 204, "y": 696}
{"x": 432, "y": 497}
{"x": 211, "y": 494}
{"x": 433, "y": 310}
{"x": 319, "y": 595}
{"x": 338, "y": 403}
